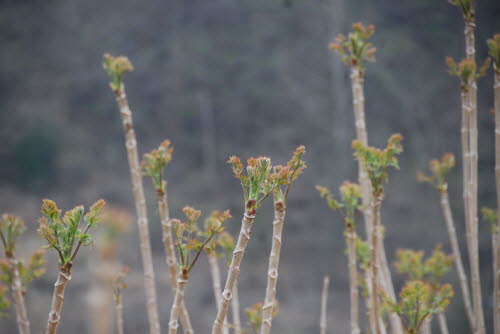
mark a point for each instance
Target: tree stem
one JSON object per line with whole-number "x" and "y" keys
{"x": 17, "y": 294}
{"x": 234, "y": 271}
{"x": 324, "y": 300}
{"x": 57, "y": 300}
{"x": 175, "y": 312}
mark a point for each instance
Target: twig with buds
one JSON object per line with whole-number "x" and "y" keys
{"x": 118, "y": 285}
{"x": 66, "y": 237}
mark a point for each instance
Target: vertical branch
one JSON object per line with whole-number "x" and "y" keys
{"x": 234, "y": 271}
{"x": 457, "y": 257}
{"x": 324, "y": 300}
{"x": 235, "y": 308}
{"x": 374, "y": 262}
{"x": 443, "y": 326}
{"x": 140, "y": 204}
{"x": 170, "y": 254}
{"x": 470, "y": 51}
{"x": 496, "y": 265}
{"x": 119, "y": 313}
{"x": 17, "y": 294}
{"x": 175, "y": 312}
{"x": 272, "y": 273}
{"x": 215, "y": 273}
{"x": 57, "y": 300}
{"x": 353, "y": 279}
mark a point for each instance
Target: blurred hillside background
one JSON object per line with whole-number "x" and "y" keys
{"x": 221, "y": 77}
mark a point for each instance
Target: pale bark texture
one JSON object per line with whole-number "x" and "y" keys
{"x": 170, "y": 255}
{"x": 374, "y": 263}
{"x": 234, "y": 271}
{"x": 353, "y": 279}
{"x": 472, "y": 220}
{"x": 140, "y": 205}
{"x": 443, "y": 325}
{"x": 324, "y": 303}
{"x": 215, "y": 273}
{"x": 17, "y": 295}
{"x": 119, "y": 315}
{"x": 426, "y": 327}
{"x": 496, "y": 265}
{"x": 235, "y": 308}
{"x": 57, "y": 300}
{"x": 175, "y": 312}
{"x": 457, "y": 257}
{"x": 272, "y": 271}
{"x": 357, "y": 84}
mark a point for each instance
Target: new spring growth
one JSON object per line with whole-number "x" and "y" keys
{"x": 34, "y": 269}
{"x": 378, "y": 161}
{"x": 258, "y": 182}
{"x": 65, "y": 234}
{"x": 254, "y": 315}
{"x": 439, "y": 171}
{"x": 350, "y": 194}
{"x": 186, "y": 232}
{"x": 116, "y": 67}
{"x": 11, "y": 227}
{"x": 490, "y": 216}
{"x": 119, "y": 283}
{"x": 494, "y": 52}
{"x": 417, "y": 301}
{"x": 467, "y": 70}
{"x": 411, "y": 264}
{"x": 285, "y": 176}
{"x": 467, "y": 7}
{"x": 155, "y": 161}
{"x": 226, "y": 242}
{"x": 224, "y": 239}
{"x": 355, "y": 49}
{"x": 4, "y": 300}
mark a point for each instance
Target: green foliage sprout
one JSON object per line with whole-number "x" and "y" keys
{"x": 186, "y": 232}
{"x": 116, "y": 67}
{"x": 377, "y": 161}
{"x": 467, "y": 7}
{"x": 11, "y": 227}
{"x": 154, "y": 163}
{"x": 254, "y": 315}
{"x": 259, "y": 182}
{"x": 355, "y": 50}
{"x": 4, "y": 300}
{"x": 490, "y": 216}
{"x": 350, "y": 194}
{"x": 417, "y": 301}
{"x": 64, "y": 234}
{"x": 411, "y": 263}
{"x": 34, "y": 269}
{"x": 467, "y": 70}
{"x": 494, "y": 51}
{"x": 439, "y": 171}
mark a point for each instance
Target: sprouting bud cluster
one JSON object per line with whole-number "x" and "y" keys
{"x": 417, "y": 301}
{"x": 34, "y": 269}
{"x": 64, "y": 234}
{"x": 262, "y": 179}
{"x": 363, "y": 254}
{"x": 116, "y": 67}
{"x": 490, "y": 216}
{"x": 11, "y": 227}
{"x": 439, "y": 171}
{"x": 155, "y": 161}
{"x": 119, "y": 283}
{"x": 494, "y": 51}
{"x": 467, "y": 70}
{"x": 355, "y": 50}
{"x": 254, "y": 314}
{"x": 187, "y": 232}
{"x": 350, "y": 194}
{"x": 377, "y": 161}
{"x": 467, "y": 7}
{"x": 4, "y": 300}
{"x": 213, "y": 223}
{"x": 411, "y": 264}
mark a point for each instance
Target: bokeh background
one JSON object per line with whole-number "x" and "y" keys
{"x": 221, "y": 77}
